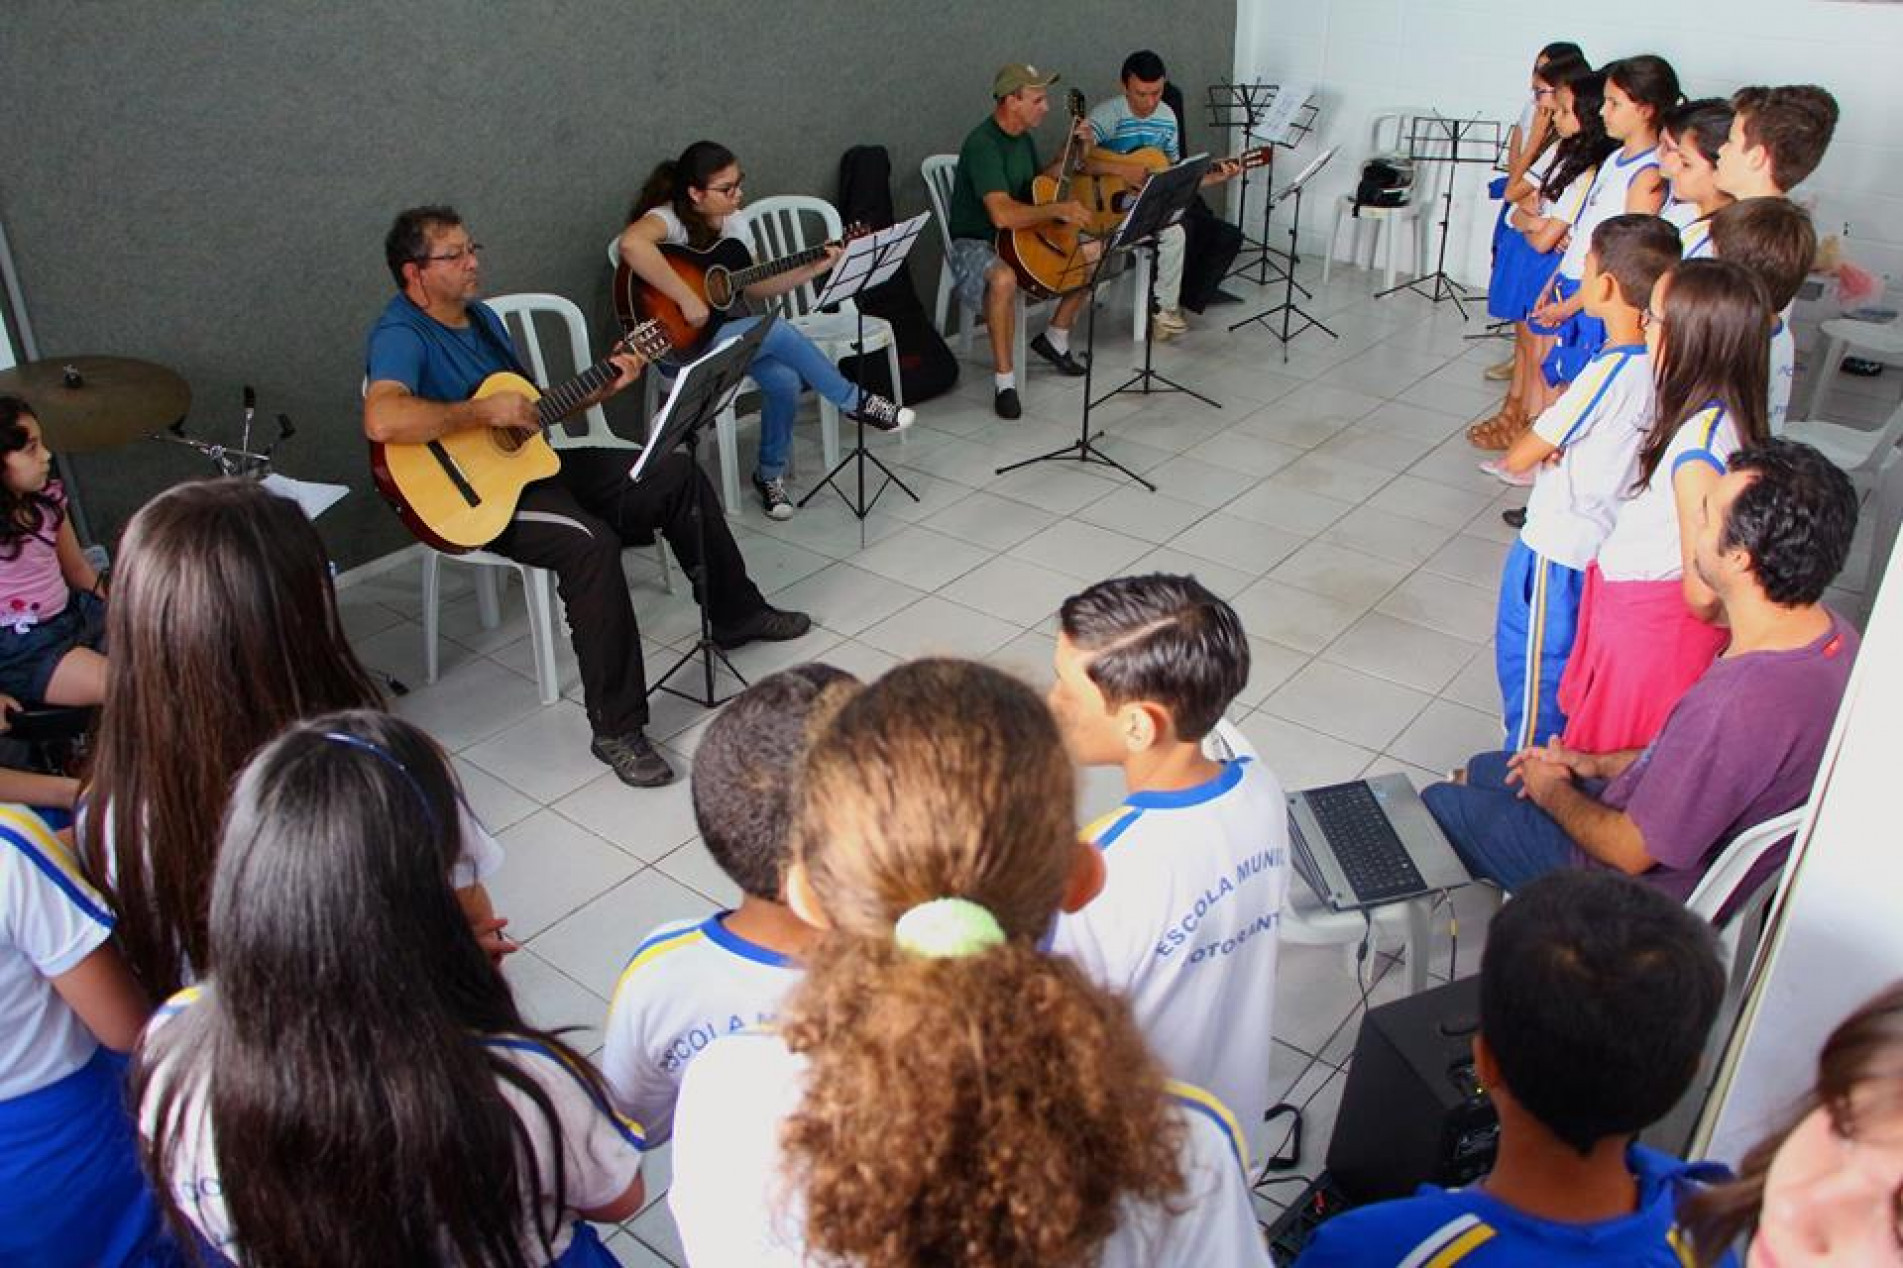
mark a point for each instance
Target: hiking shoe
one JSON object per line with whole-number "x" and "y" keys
{"x": 1005, "y": 403}
{"x": 773, "y": 497}
{"x": 1170, "y": 323}
{"x": 768, "y": 625}
{"x": 1066, "y": 362}
{"x": 875, "y": 411}
{"x": 634, "y": 759}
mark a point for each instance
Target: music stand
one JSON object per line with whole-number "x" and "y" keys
{"x": 1288, "y": 309}
{"x": 868, "y": 261}
{"x": 1437, "y": 139}
{"x": 1262, "y": 114}
{"x": 1191, "y": 181}
{"x": 1161, "y": 200}
{"x": 701, "y": 389}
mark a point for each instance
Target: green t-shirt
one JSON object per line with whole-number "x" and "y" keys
{"x": 990, "y": 161}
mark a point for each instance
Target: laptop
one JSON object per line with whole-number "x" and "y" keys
{"x": 1370, "y": 842}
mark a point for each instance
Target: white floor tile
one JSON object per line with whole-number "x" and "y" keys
{"x": 1424, "y": 500}
{"x": 1295, "y": 618}
{"x": 1060, "y": 487}
{"x": 497, "y": 806}
{"x": 1283, "y": 503}
{"x": 1236, "y": 450}
{"x": 1445, "y": 735}
{"x": 1237, "y": 543}
{"x": 469, "y": 703}
{"x": 846, "y": 598}
{"x": 1014, "y": 590}
{"x": 1412, "y": 655}
{"x": 939, "y": 627}
{"x": 592, "y": 945}
{"x": 1440, "y": 603}
{"x": 1335, "y": 477}
{"x": 920, "y": 558}
{"x": 545, "y": 755}
{"x": 1081, "y": 550}
{"x": 986, "y": 520}
{"x": 1347, "y": 576}
{"x": 1199, "y": 482}
{"x": 645, "y": 822}
{"x": 1136, "y": 512}
{"x": 1396, "y": 537}
{"x": 1474, "y": 560}
{"x": 551, "y": 1000}
{"x": 1300, "y": 757}
{"x": 551, "y": 868}
{"x": 1347, "y": 704}
{"x": 692, "y": 866}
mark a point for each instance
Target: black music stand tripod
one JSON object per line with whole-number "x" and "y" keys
{"x": 1158, "y": 203}
{"x": 1144, "y": 379}
{"x": 1288, "y": 310}
{"x": 868, "y": 261}
{"x": 700, "y": 390}
{"x": 1438, "y": 139}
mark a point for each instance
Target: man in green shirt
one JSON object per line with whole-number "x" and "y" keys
{"x": 992, "y": 192}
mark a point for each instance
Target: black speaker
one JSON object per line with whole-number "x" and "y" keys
{"x": 1412, "y": 1112}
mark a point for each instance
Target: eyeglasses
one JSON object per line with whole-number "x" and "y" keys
{"x": 730, "y": 187}
{"x": 1649, "y": 317}
{"x": 452, "y": 257}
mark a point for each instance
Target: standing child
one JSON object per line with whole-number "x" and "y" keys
{"x": 1774, "y": 239}
{"x": 52, "y": 614}
{"x": 1145, "y": 667}
{"x": 353, "y": 1083}
{"x": 1644, "y": 635}
{"x": 70, "y": 1188}
{"x": 1639, "y": 92}
{"x": 1584, "y": 449}
{"x": 1778, "y": 137}
{"x": 692, "y": 981}
{"x": 1688, "y": 156}
{"x": 938, "y": 1090}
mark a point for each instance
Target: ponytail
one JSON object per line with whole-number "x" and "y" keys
{"x": 670, "y": 181}
{"x": 656, "y": 190}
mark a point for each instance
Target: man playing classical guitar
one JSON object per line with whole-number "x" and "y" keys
{"x": 1138, "y": 120}
{"x": 992, "y": 192}
{"x": 432, "y": 346}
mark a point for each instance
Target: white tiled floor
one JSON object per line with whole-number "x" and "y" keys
{"x": 1331, "y": 499}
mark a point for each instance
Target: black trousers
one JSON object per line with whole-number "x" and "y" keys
{"x": 1210, "y": 246}
{"x": 576, "y": 524}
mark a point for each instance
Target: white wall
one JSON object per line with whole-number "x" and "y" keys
{"x": 1462, "y": 56}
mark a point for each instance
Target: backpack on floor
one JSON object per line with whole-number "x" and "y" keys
{"x": 927, "y": 367}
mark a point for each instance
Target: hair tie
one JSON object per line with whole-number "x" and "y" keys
{"x": 948, "y": 928}
{"x": 391, "y": 760}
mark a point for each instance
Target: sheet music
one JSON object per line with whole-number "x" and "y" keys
{"x": 1280, "y": 116}
{"x": 856, "y": 270}
{"x": 311, "y": 497}
{"x": 657, "y": 425}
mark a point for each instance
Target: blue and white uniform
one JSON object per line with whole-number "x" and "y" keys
{"x": 732, "y": 1205}
{"x": 1644, "y": 543}
{"x": 1582, "y": 334}
{"x": 1187, "y": 924}
{"x": 1783, "y": 372}
{"x": 70, "y": 1188}
{"x": 1599, "y": 424}
{"x": 600, "y": 1154}
{"x": 689, "y": 983}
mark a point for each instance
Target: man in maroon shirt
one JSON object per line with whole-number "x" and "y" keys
{"x": 1742, "y": 745}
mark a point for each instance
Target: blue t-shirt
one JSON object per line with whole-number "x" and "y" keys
{"x": 434, "y": 361}
{"x": 1471, "y": 1228}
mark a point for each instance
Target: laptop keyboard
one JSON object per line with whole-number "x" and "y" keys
{"x": 1364, "y": 843}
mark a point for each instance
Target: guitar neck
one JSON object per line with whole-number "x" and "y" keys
{"x": 743, "y": 278}
{"x": 558, "y": 403}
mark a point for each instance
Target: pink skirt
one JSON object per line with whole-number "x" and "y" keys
{"x": 1638, "y": 649}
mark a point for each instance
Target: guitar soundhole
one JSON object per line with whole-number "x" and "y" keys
{"x": 719, "y": 287}
{"x": 507, "y": 438}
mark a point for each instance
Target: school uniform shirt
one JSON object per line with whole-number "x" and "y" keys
{"x": 600, "y": 1155}
{"x": 689, "y": 983}
{"x": 1570, "y": 203}
{"x": 1599, "y": 424}
{"x": 732, "y": 1203}
{"x": 1606, "y": 199}
{"x": 1783, "y": 372}
{"x": 1473, "y": 1229}
{"x": 50, "y": 920}
{"x": 1186, "y": 927}
{"x": 1644, "y": 542}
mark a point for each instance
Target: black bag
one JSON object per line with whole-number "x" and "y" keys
{"x": 927, "y": 367}
{"x": 1385, "y": 182}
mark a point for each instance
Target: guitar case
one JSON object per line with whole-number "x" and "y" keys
{"x": 927, "y": 366}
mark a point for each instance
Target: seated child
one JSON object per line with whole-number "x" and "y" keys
{"x": 1688, "y": 156}
{"x": 52, "y": 617}
{"x": 1773, "y": 238}
{"x": 938, "y": 1089}
{"x": 1197, "y": 854}
{"x": 1648, "y": 622}
{"x": 1584, "y": 449}
{"x": 1596, "y": 993}
{"x": 692, "y": 981}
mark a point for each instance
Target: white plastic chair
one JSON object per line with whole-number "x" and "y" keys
{"x": 1727, "y": 873}
{"x": 1306, "y": 922}
{"x": 1386, "y": 135}
{"x": 1879, "y": 341}
{"x": 1862, "y": 454}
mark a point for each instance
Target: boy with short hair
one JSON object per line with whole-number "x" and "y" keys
{"x": 1774, "y": 238}
{"x": 692, "y": 981}
{"x": 1583, "y": 454}
{"x": 1196, "y": 857}
{"x": 1596, "y": 995}
{"x": 1778, "y": 137}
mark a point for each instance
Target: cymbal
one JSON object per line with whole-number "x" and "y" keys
{"x": 118, "y": 400}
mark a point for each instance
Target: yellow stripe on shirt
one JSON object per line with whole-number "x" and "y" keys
{"x": 1462, "y": 1246}
{"x": 1209, "y": 1104}
{"x": 48, "y": 846}
{"x": 658, "y": 947}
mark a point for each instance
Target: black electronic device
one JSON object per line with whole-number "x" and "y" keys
{"x": 1413, "y": 1112}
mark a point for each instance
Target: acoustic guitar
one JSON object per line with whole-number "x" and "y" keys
{"x": 1108, "y": 198}
{"x": 720, "y": 275}
{"x": 458, "y": 492}
{"x": 1049, "y": 257}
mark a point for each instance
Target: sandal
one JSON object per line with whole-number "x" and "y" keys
{"x": 1500, "y": 431}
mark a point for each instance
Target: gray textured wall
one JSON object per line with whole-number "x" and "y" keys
{"x": 207, "y": 185}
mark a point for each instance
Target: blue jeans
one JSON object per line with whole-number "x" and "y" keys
{"x": 787, "y": 362}
{"x": 1499, "y": 835}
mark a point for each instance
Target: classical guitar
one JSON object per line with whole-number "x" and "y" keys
{"x": 1049, "y": 258}
{"x": 1108, "y": 198}
{"x": 720, "y": 275}
{"x": 458, "y": 492}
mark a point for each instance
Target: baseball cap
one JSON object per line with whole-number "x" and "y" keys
{"x": 1020, "y": 75}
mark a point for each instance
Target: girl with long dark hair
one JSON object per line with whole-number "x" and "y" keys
{"x": 694, "y": 201}
{"x": 224, "y": 630}
{"x": 353, "y": 1084}
{"x": 939, "y": 1090}
{"x": 1689, "y": 143}
{"x": 1645, "y": 632}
